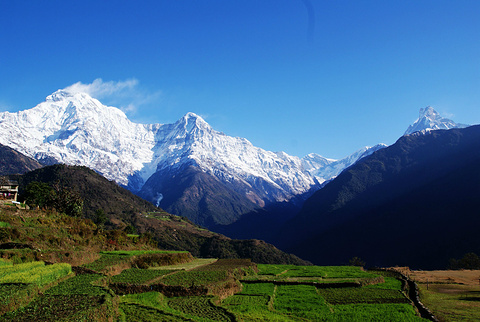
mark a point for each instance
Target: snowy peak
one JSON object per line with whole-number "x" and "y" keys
{"x": 192, "y": 123}
{"x": 74, "y": 128}
{"x": 429, "y": 120}
{"x": 59, "y": 95}
{"x": 324, "y": 169}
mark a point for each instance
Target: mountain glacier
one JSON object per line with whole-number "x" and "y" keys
{"x": 74, "y": 128}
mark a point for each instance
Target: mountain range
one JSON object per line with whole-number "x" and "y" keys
{"x": 236, "y": 177}
{"x": 412, "y": 203}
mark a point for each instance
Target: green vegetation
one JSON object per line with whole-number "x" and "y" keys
{"x": 362, "y": 295}
{"x": 138, "y": 276}
{"x": 193, "y": 290}
{"x": 258, "y": 289}
{"x": 118, "y": 260}
{"x": 200, "y": 308}
{"x": 79, "y": 285}
{"x": 150, "y": 306}
{"x": 197, "y": 278}
{"x": 452, "y": 302}
{"x": 377, "y": 312}
{"x": 4, "y": 262}
{"x": 280, "y": 300}
{"x": 87, "y": 295}
{"x": 300, "y": 301}
{"x": 64, "y": 199}
{"x": 4, "y": 224}
{"x": 34, "y": 273}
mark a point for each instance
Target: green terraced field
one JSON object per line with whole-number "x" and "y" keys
{"x": 138, "y": 276}
{"x": 290, "y": 293}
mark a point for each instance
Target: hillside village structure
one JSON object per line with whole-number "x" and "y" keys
{"x": 8, "y": 189}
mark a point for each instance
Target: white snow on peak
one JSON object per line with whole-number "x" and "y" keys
{"x": 429, "y": 120}
{"x": 74, "y": 128}
{"x": 324, "y": 169}
{"x": 192, "y": 141}
{"x": 71, "y": 127}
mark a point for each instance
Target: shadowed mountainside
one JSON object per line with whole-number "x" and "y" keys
{"x": 414, "y": 203}
{"x": 14, "y": 162}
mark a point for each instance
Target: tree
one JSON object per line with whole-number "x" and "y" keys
{"x": 130, "y": 229}
{"x": 69, "y": 202}
{"x": 39, "y": 194}
{"x": 469, "y": 261}
{"x": 99, "y": 218}
{"x": 356, "y": 261}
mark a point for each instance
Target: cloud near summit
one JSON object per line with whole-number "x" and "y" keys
{"x": 100, "y": 89}
{"x": 125, "y": 95}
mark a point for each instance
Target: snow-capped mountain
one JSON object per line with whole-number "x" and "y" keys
{"x": 184, "y": 167}
{"x": 74, "y": 128}
{"x": 429, "y": 120}
{"x": 324, "y": 169}
{"x": 229, "y": 158}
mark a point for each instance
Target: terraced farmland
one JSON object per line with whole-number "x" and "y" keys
{"x": 223, "y": 290}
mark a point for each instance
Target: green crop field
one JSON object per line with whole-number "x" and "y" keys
{"x": 200, "y": 307}
{"x": 4, "y": 224}
{"x": 34, "y": 273}
{"x": 138, "y": 276}
{"x": 286, "y": 302}
{"x": 258, "y": 289}
{"x": 362, "y": 295}
{"x": 197, "y": 278}
{"x": 319, "y": 272}
{"x": 274, "y": 293}
{"x": 79, "y": 285}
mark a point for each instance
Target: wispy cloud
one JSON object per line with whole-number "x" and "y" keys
{"x": 448, "y": 115}
{"x": 5, "y": 107}
{"x": 126, "y": 95}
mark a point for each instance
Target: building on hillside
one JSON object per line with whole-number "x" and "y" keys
{"x": 8, "y": 189}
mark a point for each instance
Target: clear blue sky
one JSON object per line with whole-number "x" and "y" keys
{"x": 289, "y": 75}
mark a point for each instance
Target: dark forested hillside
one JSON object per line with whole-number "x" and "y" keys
{"x": 414, "y": 203}
{"x": 14, "y": 162}
{"x": 123, "y": 209}
{"x": 96, "y": 191}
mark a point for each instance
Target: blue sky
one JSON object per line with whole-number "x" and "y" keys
{"x": 297, "y": 76}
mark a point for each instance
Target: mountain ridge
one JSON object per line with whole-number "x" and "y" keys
{"x": 14, "y": 162}
{"x": 412, "y": 203}
{"x": 76, "y": 129}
